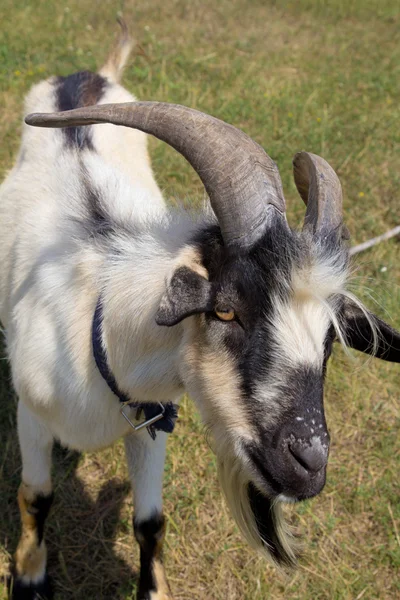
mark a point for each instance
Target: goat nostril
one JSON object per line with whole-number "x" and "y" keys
{"x": 311, "y": 458}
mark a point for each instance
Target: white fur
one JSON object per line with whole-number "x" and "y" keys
{"x": 301, "y": 324}
{"x": 146, "y": 466}
{"x": 36, "y": 443}
{"x": 300, "y": 329}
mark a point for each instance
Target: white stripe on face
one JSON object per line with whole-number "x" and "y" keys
{"x": 299, "y": 329}
{"x": 300, "y": 323}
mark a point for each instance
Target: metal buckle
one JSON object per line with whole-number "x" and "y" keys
{"x": 147, "y": 423}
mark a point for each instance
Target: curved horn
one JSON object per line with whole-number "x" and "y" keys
{"x": 319, "y": 186}
{"x": 241, "y": 180}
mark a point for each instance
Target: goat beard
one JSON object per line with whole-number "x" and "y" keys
{"x": 259, "y": 518}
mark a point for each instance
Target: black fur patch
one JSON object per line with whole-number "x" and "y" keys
{"x": 40, "y": 591}
{"x": 143, "y": 594}
{"x": 148, "y": 534}
{"x": 263, "y": 514}
{"x": 76, "y": 91}
{"x": 304, "y": 388}
{"x": 41, "y": 507}
{"x": 248, "y": 281}
{"x": 100, "y": 222}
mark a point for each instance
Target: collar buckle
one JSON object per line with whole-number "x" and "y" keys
{"x": 147, "y": 422}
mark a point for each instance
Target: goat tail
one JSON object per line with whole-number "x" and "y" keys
{"x": 116, "y": 62}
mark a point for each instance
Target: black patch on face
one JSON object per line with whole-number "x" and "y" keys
{"x": 148, "y": 534}
{"x": 249, "y": 281}
{"x": 290, "y": 454}
{"x": 259, "y": 461}
{"x": 76, "y": 91}
{"x": 40, "y": 508}
{"x": 304, "y": 389}
{"x": 264, "y": 517}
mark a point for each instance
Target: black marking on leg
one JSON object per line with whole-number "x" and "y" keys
{"x": 40, "y": 508}
{"x": 76, "y": 91}
{"x": 18, "y": 590}
{"x": 29, "y": 564}
{"x": 149, "y": 535}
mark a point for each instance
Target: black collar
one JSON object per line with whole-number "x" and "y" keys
{"x": 150, "y": 410}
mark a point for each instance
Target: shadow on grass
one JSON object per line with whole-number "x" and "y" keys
{"x": 80, "y": 532}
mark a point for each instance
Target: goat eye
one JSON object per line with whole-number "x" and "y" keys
{"x": 225, "y": 315}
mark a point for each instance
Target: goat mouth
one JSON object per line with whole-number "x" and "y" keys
{"x": 287, "y": 488}
{"x": 274, "y": 488}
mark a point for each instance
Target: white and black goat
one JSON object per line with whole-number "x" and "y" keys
{"x": 108, "y": 296}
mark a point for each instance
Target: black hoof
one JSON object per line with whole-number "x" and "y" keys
{"x": 18, "y": 590}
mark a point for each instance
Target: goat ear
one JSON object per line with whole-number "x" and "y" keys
{"x": 360, "y": 336}
{"x": 188, "y": 293}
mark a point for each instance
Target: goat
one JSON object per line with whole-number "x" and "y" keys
{"x": 114, "y": 304}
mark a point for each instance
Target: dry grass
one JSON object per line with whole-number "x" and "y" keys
{"x": 294, "y": 75}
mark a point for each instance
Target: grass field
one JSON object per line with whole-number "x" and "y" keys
{"x": 315, "y": 75}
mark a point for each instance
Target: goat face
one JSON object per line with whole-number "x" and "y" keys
{"x": 254, "y": 358}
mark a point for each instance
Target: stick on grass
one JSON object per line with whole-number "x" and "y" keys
{"x": 376, "y": 240}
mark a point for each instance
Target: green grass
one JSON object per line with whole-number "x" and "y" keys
{"x": 321, "y": 76}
